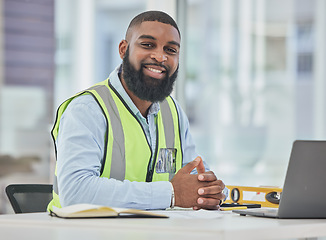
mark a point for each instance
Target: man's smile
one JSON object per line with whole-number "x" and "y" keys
{"x": 154, "y": 71}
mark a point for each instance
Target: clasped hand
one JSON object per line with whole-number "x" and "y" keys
{"x": 202, "y": 190}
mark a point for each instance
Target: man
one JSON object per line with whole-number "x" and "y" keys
{"x": 125, "y": 142}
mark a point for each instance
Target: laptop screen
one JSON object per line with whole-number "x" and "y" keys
{"x": 304, "y": 191}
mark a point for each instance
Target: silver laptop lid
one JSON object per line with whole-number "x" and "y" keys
{"x": 304, "y": 191}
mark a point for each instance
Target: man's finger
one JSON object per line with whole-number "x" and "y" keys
{"x": 214, "y": 207}
{"x": 200, "y": 167}
{"x": 207, "y": 177}
{"x": 205, "y": 202}
{"x": 210, "y": 190}
{"x": 191, "y": 166}
{"x": 218, "y": 197}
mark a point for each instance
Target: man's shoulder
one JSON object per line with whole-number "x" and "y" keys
{"x": 85, "y": 101}
{"x": 84, "y": 108}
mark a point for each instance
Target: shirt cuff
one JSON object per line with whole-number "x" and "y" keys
{"x": 161, "y": 195}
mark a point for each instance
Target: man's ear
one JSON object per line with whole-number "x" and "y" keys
{"x": 123, "y": 45}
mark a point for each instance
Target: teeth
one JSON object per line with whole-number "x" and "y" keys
{"x": 155, "y": 70}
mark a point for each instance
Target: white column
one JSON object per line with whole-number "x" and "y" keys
{"x": 1, "y": 46}
{"x": 319, "y": 70}
{"x": 179, "y": 89}
{"x": 83, "y": 53}
{"x": 2, "y": 126}
{"x": 227, "y": 8}
{"x": 259, "y": 61}
{"x": 245, "y": 60}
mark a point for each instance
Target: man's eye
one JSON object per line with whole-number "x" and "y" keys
{"x": 146, "y": 45}
{"x": 171, "y": 50}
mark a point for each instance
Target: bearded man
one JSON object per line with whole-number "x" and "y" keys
{"x": 125, "y": 142}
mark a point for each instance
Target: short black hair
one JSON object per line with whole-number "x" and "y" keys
{"x": 152, "y": 16}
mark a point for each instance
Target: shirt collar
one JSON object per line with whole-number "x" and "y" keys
{"x": 116, "y": 83}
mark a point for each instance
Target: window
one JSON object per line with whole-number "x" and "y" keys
{"x": 252, "y": 76}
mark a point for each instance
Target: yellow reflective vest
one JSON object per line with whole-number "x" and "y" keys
{"x": 128, "y": 153}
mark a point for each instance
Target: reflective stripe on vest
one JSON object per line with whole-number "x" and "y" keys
{"x": 118, "y": 164}
{"x": 167, "y": 123}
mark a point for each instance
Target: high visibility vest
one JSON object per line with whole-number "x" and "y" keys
{"x": 128, "y": 153}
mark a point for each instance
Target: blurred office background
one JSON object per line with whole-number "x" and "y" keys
{"x": 252, "y": 78}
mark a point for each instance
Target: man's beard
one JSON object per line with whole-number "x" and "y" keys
{"x": 145, "y": 87}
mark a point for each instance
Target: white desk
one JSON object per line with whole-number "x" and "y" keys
{"x": 230, "y": 226}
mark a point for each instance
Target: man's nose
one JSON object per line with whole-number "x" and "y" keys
{"x": 159, "y": 56}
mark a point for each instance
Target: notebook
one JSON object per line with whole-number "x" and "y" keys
{"x": 304, "y": 191}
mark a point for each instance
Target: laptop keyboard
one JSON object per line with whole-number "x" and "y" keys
{"x": 262, "y": 212}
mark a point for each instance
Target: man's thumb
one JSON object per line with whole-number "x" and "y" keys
{"x": 191, "y": 166}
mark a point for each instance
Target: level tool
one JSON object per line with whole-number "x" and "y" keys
{"x": 272, "y": 195}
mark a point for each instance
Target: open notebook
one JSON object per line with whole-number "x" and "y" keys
{"x": 95, "y": 211}
{"x": 304, "y": 193}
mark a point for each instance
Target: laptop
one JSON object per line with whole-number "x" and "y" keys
{"x": 304, "y": 190}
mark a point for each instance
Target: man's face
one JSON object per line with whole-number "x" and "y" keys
{"x": 150, "y": 60}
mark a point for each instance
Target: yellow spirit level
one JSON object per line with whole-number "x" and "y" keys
{"x": 272, "y": 195}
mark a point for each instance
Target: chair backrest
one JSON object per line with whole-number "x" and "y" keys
{"x": 27, "y": 198}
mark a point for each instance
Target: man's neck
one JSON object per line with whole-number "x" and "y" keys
{"x": 142, "y": 105}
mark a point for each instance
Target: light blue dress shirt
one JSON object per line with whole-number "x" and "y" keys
{"x": 80, "y": 146}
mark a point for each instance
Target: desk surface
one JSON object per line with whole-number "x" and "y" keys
{"x": 227, "y": 226}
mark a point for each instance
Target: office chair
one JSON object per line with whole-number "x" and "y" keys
{"x": 27, "y": 198}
